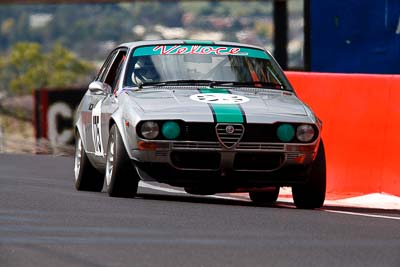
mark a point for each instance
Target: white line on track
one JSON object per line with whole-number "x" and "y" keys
{"x": 363, "y": 214}
{"x": 175, "y": 191}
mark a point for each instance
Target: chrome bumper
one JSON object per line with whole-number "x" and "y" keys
{"x": 286, "y": 154}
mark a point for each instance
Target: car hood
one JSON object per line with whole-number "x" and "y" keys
{"x": 257, "y": 102}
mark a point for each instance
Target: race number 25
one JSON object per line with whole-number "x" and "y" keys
{"x": 96, "y": 129}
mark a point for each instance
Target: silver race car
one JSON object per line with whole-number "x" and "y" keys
{"x": 211, "y": 117}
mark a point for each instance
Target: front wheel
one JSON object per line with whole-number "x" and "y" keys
{"x": 87, "y": 178}
{"x": 121, "y": 177}
{"x": 266, "y": 197}
{"x": 311, "y": 195}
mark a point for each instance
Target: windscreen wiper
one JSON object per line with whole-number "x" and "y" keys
{"x": 180, "y": 82}
{"x": 212, "y": 83}
{"x": 268, "y": 85}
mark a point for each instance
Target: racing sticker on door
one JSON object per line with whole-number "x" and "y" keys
{"x": 96, "y": 129}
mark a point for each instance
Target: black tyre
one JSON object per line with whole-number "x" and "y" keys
{"x": 266, "y": 197}
{"x": 121, "y": 177}
{"x": 87, "y": 178}
{"x": 311, "y": 195}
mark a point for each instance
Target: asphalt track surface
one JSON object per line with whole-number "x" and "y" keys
{"x": 44, "y": 221}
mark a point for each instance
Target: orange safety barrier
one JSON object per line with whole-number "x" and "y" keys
{"x": 361, "y": 126}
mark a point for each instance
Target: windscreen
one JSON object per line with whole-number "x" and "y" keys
{"x": 166, "y": 63}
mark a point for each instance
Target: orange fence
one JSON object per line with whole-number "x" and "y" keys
{"x": 361, "y": 128}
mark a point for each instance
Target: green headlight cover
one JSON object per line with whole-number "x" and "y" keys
{"x": 285, "y": 132}
{"x": 171, "y": 130}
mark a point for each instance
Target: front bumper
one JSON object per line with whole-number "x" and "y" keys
{"x": 260, "y": 164}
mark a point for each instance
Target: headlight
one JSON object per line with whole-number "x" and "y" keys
{"x": 285, "y": 132}
{"x": 150, "y": 129}
{"x": 171, "y": 130}
{"x": 305, "y": 133}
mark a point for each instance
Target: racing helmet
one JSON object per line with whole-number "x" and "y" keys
{"x": 144, "y": 71}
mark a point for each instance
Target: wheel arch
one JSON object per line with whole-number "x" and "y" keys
{"x": 122, "y": 130}
{"x": 78, "y": 129}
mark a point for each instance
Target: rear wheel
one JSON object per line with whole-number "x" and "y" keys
{"x": 265, "y": 197}
{"x": 121, "y": 177}
{"x": 87, "y": 178}
{"x": 311, "y": 195}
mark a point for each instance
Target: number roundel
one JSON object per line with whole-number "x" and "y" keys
{"x": 96, "y": 129}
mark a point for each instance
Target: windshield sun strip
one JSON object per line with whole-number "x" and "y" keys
{"x": 199, "y": 49}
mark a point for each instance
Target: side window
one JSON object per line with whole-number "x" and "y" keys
{"x": 119, "y": 70}
{"x": 112, "y": 73}
{"x": 102, "y": 72}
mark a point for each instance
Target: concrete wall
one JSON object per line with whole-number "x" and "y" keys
{"x": 361, "y": 128}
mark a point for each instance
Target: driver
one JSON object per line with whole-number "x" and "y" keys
{"x": 144, "y": 71}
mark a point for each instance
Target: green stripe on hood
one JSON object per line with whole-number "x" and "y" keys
{"x": 225, "y": 113}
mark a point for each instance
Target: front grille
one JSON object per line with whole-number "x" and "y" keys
{"x": 253, "y": 132}
{"x": 260, "y": 133}
{"x": 197, "y": 131}
{"x": 258, "y": 146}
{"x": 258, "y": 161}
{"x": 196, "y": 160}
{"x": 196, "y": 145}
{"x": 229, "y": 135}
{"x": 292, "y": 156}
{"x": 161, "y": 153}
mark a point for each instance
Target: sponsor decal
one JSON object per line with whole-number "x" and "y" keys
{"x": 54, "y": 112}
{"x": 59, "y": 111}
{"x": 199, "y": 49}
{"x": 96, "y": 129}
{"x": 224, "y": 105}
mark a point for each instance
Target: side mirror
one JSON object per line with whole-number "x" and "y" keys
{"x": 97, "y": 87}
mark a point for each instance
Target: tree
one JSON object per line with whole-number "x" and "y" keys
{"x": 27, "y": 67}
{"x": 66, "y": 68}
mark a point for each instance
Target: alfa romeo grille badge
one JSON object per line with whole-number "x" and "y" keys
{"x": 230, "y": 129}
{"x": 229, "y": 135}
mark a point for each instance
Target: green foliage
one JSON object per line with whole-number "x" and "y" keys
{"x": 84, "y": 27}
{"x": 65, "y": 67}
{"x": 90, "y": 29}
{"x": 27, "y": 67}
{"x": 263, "y": 29}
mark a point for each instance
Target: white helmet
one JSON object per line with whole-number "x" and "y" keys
{"x": 144, "y": 71}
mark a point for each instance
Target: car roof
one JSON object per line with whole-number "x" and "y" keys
{"x": 131, "y": 45}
